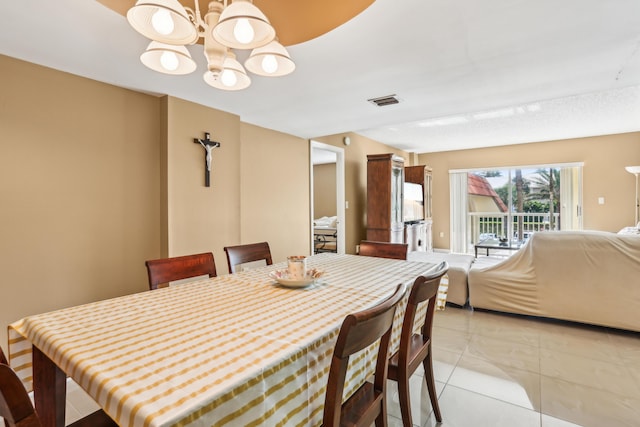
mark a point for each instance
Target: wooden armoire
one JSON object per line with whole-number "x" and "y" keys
{"x": 385, "y": 180}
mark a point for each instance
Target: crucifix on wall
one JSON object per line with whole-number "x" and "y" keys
{"x": 208, "y": 145}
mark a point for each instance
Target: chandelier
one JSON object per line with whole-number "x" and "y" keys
{"x": 238, "y": 25}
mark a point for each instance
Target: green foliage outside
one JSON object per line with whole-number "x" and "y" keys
{"x": 536, "y": 190}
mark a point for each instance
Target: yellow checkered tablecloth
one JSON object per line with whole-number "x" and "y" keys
{"x": 227, "y": 351}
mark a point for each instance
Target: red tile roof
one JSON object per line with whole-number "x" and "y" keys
{"x": 479, "y": 186}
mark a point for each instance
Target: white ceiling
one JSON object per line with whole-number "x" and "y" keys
{"x": 469, "y": 73}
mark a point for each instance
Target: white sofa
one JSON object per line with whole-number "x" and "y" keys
{"x": 583, "y": 276}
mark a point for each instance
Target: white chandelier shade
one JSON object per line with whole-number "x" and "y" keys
{"x": 232, "y": 77}
{"x": 239, "y": 25}
{"x": 168, "y": 59}
{"x": 243, "y": 26}
{"x": 271, "y": 60}
{"x": 164, "y": 21}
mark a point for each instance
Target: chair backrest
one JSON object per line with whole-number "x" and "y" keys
{"x": 166, "y": 270}
{"x": 358, "y": 331}
{"x": 383, "y": 249}
{"x": 424, "y": 288}
{"x": 242, "y": 254}
{"x": 15, "y": 405}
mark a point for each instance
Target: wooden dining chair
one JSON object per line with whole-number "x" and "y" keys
{"x": 15, "y": 405}
{"x": 358, "y": 331}
{"x": 165, "y": 270}
{"x": 415, "y": 348}
{"x": 3, "y": 361}
{"x": 383, "y": 249}
{"x": 18, "y": 411}
{"x": 242, "y": 254}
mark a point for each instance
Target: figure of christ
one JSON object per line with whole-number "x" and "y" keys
{"x": 208, "y": 149}
{"x": 208, "y": 146}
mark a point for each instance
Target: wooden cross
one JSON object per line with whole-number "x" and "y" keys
{"x": 208, "y": 146}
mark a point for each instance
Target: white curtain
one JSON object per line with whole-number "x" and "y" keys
{"x": 571, "y": 198}
{"x": 458, "y": 206}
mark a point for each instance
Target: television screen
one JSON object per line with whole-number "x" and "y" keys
{"x": 413, "y": 206}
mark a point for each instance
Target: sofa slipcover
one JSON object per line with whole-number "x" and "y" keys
{"x": 590, "y": 277}
{"x": 459, "y": 265}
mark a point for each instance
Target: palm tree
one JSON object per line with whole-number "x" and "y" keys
{"x": 544, "y": 187}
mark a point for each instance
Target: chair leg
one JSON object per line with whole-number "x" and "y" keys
{"x": 381, "y": 420}
{"x": 405, "y": 403}
{"x": 431, "y": 385}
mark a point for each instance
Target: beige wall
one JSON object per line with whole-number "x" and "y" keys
{"x": 79, "y": 190}
{"x": 259, "y": 185}
{"x": 604, "y": 160}
{"x": 96, "y": 179}
{"x": 275, "y": 191}
{"x": 324, "y": 190}
{"x": 202, "y": 219}
{"x": 356, "y": 181}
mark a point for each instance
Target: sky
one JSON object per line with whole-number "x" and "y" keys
{"x": 500, "y": 181}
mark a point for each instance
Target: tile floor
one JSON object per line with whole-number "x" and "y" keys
{"x": 498, "y": 370}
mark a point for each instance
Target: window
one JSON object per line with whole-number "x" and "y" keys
{"x": 513, "y": 203}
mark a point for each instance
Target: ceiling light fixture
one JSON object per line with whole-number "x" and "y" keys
{"x": 495, "y": 114}
{"x": 443, "y": 121}
{"x": 238, "y": 25}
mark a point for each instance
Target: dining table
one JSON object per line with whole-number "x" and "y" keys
{"x": 233, "y": 350}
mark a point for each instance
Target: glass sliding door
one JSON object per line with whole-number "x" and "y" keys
{"x": 513, "y": 203}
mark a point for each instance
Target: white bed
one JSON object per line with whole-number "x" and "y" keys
{"x": 325, "y": 234}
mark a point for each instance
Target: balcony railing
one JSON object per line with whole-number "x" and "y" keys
{"x": 491, "y": 224}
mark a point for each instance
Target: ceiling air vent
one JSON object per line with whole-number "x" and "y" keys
{"x": 384, "y": 100}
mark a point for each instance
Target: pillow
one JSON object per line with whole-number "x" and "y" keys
{"x": 321, "y": 221}
{"x": 326, "y": 221}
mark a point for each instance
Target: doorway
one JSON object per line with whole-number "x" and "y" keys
{"x": 327, "y": 202}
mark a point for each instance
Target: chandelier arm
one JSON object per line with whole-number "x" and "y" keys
{"x": 196, "y": 19}
{"x": 196, "y": 14}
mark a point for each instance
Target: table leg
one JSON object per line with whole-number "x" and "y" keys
{"x": 49, "y": 390}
